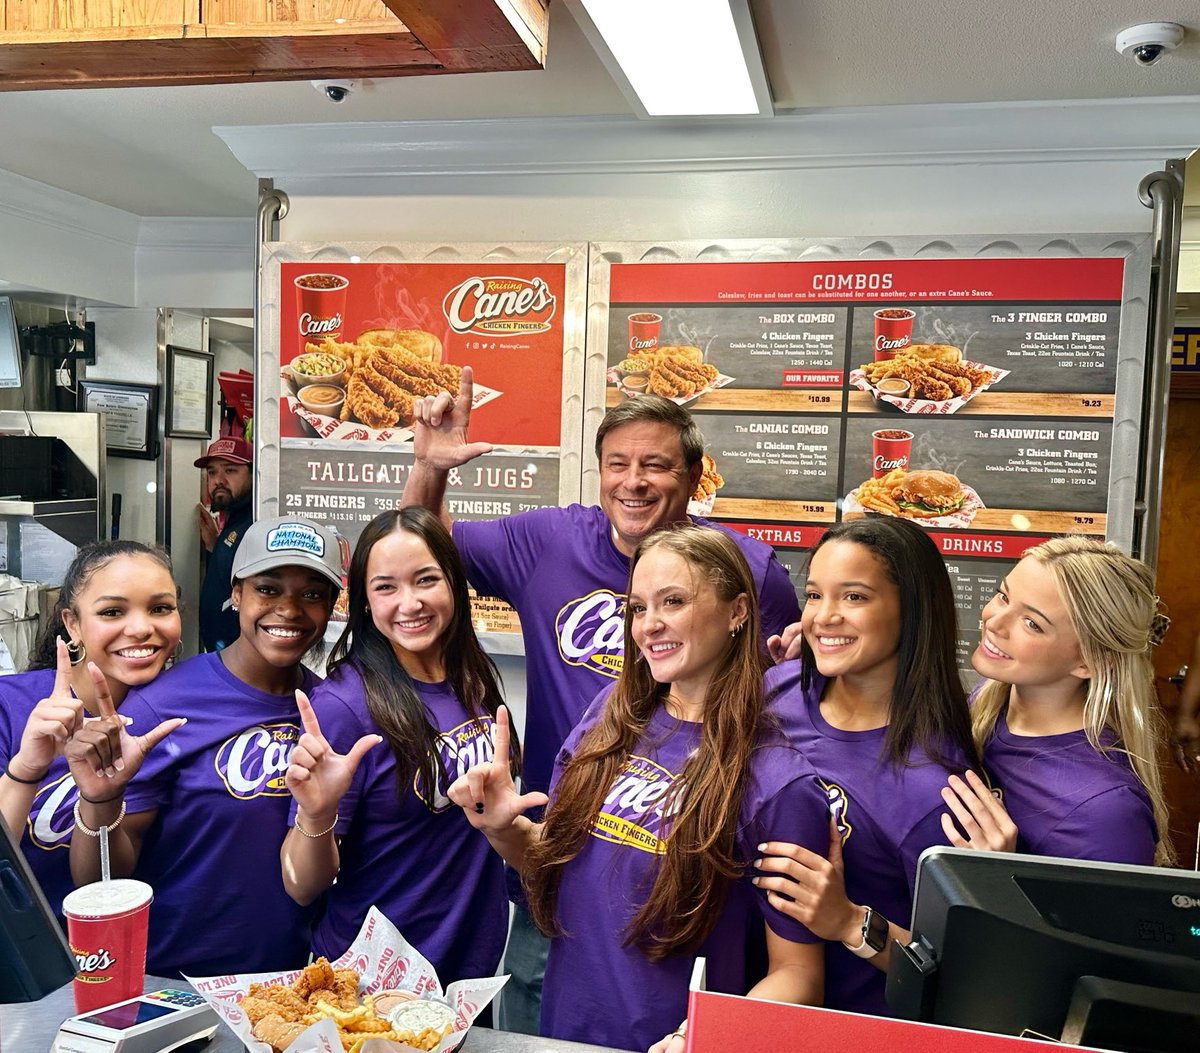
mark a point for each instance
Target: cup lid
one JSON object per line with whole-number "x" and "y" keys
{"x": 103, "y": 898}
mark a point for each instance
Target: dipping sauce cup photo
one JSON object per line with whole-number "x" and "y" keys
{"x": 107, "y": 922}
{"x": 320, "y": 307}
{"x": 644, "y": 328}
{"x": 893, "y": 331}
{"x": 890, "y": 448}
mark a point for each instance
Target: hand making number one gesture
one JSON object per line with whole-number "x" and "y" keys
{"x": 440, "y": 430}
{"x": 487, "y": 792}
{"x": 317, "y": 775}
{"x": 101, "y": 753}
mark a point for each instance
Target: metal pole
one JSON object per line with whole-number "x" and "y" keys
{"x": 273, "y": 206}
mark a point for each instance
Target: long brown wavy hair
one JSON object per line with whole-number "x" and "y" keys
{"x": 698, "y": 863}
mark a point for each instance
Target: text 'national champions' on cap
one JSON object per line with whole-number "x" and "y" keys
{"x": 286, "y": 541}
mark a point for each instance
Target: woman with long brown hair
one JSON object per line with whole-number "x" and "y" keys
{"x": 659, "y": 800}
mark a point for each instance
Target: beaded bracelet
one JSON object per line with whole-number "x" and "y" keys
{"x": 96, "y": 833}
{"x": 23, "y": 782}
{"x": 322, "y": 833}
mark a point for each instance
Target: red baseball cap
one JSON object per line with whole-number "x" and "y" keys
{"x": 239, "y": 451}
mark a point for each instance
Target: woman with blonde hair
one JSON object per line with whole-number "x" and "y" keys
{"x": 659, "y": 799}
{"x": 1066, "y": 717}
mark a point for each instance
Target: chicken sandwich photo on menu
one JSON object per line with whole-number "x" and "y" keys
{"x": 927, "y": 493}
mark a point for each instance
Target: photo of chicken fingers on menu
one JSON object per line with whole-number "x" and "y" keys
{"x": 1033, "y": 359}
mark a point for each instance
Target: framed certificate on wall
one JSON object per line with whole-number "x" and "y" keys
{"x": 189, "y": 393}
{"x": 130, "y": 416}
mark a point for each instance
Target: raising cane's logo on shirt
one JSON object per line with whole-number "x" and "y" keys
{"x": 253, "y": 763}
{"x": 457, "y": 750}
{"x": 638, "y": 808}
{"x": 591, "y": 632}
{"x": 839, "y": 807}
{"x": 51, "y": 816}
{"x": 500, "y": 305}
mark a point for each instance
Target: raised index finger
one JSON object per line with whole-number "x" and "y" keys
{"x": 500, "y": 746}
{"x": 466, "y": 391}
{"x": 62, "y": 671}
{"x": 308, "y": 716}
{"x": 105, "y": 707}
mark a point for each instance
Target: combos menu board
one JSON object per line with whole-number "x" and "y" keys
{"x": 973, "y": 397}
{"x": 360, "y": 342}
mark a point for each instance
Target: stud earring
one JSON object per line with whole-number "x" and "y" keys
{"x": 737, "y": 630}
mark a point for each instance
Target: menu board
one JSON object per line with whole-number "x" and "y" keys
{"x": 356, "y": 343}
{"x": 975, "y": 397}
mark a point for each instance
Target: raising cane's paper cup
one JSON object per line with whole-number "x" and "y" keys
{"x": 644, "y": 328}
{"x": 893, "y": 331}
{"x": 320, "y": 307}
{"x": 890, "y": 448}
{"x": 106, "y": 927}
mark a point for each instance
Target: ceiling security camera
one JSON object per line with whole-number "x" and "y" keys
{"x": 1148, "y": 42}
{"x": 337, "y": 90}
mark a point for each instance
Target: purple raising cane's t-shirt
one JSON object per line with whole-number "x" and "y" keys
{"x": 414, "y": 856}
{"x": 888, "y": 816}
{"x": 46, "y": 837}
{"x": 561, "y": 571}
{"x": 601, "y": 991}
{"x": 212, "y": 852}
{"x": 1068, "y": 799}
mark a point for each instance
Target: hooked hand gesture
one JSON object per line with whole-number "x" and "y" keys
{"x": 440, "y": 427}
{"x": 983, "y": 820}
{"x": 317, "y": 776}
{"x": 809, "y": 887}
{"x": 785, "y": 647}
{"x": 101, "y": 753}
{"x": 487, "y": 792}
{"x": 208, "y": 527}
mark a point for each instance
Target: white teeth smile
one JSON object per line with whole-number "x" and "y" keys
{"x": 992, "y": 649}
{"x": 419, "y": 623}
{"x": 663, "y": 648}
{"x": 629, "y": 503}
{"x": 284, "y": 634}
{"x": 834, "y": 641}
{"x": 136, "y": 652}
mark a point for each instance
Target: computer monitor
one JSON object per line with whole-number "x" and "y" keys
{"x": 10, "y": 346}
{"x": 1094, "y": 954}
{"x": 35, "y": 958}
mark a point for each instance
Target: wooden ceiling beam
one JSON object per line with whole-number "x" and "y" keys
{"x": 237, "y": 41}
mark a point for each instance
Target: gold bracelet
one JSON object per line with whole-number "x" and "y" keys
{"x": 96, "y": 833}
{"x": 322, "y": 833}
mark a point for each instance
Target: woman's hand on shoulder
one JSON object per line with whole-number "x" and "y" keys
{"x": 982, "y": 821}
{"x": 317, "y": 775}
{"x": 101, "y": 753}
{"x": 486, "y": 792}
{"x": 809, "y": 887}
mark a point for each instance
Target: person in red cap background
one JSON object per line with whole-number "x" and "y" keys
{"x": 227, "y": 467}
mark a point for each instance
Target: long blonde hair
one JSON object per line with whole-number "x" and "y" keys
{"x": 1114, "y": 611}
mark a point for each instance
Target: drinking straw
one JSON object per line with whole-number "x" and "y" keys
{"x": 105, "y": 868}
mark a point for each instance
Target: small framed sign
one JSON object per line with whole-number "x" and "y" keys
{"x": 189, "y": 393}
{"x": 130, "y": 416}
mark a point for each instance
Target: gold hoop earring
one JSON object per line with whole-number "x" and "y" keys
{"x": 737, "y": 630}
{"x": 76, "y": 652}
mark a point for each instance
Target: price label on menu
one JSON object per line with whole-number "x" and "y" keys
{"x": 974, "y": 397}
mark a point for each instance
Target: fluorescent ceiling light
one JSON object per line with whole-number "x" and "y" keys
{"x": 680, "y": 57}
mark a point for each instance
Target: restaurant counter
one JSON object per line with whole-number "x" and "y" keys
{"x": 30, "y": 1028}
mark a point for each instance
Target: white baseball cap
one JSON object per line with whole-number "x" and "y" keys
{"x": 287, "y": 541}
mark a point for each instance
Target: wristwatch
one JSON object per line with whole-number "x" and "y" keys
{"x": 874, "y": 935}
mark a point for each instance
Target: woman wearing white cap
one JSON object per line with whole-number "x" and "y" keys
{"x": 202, "y": 819}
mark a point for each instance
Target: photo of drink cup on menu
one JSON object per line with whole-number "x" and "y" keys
{"x": 927, "y": 496}
{"x": 678, "y": 371}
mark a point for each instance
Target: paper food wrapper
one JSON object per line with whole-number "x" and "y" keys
{"x": 938, "y": 406}
{"x": 959, "y": 519}
{"x": 353, "y": 431}
{"x": 385, "y": 961}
